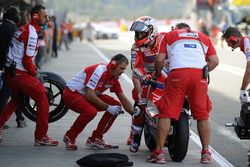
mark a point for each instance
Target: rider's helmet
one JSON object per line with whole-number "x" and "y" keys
{"x": 147, "y": 25}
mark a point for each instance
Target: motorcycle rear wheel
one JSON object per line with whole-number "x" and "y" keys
{"x": 54, "y": 86}
{"x": 178, "y": 142}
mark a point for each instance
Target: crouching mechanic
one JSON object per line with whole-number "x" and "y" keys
{"x": 188, "y": 53}
{"x": 147, "y": 45}
{"x": 234, "y": 40}
{"x": 84, "y": 95}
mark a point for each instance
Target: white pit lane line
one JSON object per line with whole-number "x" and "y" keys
{"x": 215, "y": 155}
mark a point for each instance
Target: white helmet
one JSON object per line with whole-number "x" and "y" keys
{"x": 144, "y": 24}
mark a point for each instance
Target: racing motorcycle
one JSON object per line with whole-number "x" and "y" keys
{"x": 54, "y": 85}
{"x": 178, "y": 138}
{"x": 242, "y": 124}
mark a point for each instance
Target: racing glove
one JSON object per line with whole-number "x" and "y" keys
{"x": 244, "y": 97}
{"x": 146, "y": 78}
{"x": 115, "y": 109}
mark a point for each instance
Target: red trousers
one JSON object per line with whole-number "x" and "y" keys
{"x": 31, "y": 86}
{"x": 185, "y": 82}
{"x": 77, "y": 102}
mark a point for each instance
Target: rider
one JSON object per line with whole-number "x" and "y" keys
{"x": 188, "y": 53}
{"x": 86, "y": 89}
{"x": 147, "y": 45}
{"x": 20, "y": 74}
{"x": 234, "y": 40}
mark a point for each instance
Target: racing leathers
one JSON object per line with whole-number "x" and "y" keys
{"x": 142, "y": 64}
{"x": 98, "y": 78}
{"x": 20, "y": 74}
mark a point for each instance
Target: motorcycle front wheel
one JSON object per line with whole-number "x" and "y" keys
{"x": 54, "y": 86}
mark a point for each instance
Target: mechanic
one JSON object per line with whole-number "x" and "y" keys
{"x": 147, "y": 45}
{"x": 20, "y": 74}
{"x": 191, "y": 56}
{"x": 11, "y": 19}
{"x": 84, "y": 95}
{"x": 234, "y": 40}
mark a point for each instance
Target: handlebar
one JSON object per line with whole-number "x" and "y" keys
{"x": 154, "y": 84}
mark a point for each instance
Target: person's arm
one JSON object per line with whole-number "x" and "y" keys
{"x": 246, "y": 78}
{"x": 95, "y": 100}
{"x": 125, "y": 103}
{"x": 212, "y": 62}
{"x": 159, "y": 63}
{"x": 137, "y": 86}
{"x": 30, "y": 44}
{"x": 161, "y": 56}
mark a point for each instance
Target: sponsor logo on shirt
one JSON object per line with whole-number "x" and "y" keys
{"x": 247, "y": 50}
{"x": 150, "y": 58}
{"x": 108, "y": 86}
{"x": 248, "y": 55}
{"x": 189, "y": 34}
{"x": 190, "y": 46}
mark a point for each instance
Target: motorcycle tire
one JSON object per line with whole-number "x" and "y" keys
{"x": 178, "y": 142}
{"x": 148, "y": 137}
{"x": 54, "y": 86}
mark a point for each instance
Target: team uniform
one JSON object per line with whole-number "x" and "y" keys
{"x": 245, "y": 47}
{"x": 98, "y": 78}
{"x": 23, "y": 48}
{"x": 142, "y": 61}
{"x": 187, "y": 52}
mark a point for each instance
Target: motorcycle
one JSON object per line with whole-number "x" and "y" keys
{"x": 178, "y": 138}
{"x": 54, "y": 86}
{"x": 242, "y": 124}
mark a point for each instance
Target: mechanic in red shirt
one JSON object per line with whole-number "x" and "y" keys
{"x": 84, "y": 94}
{"x": 20, "y": 74}
{"x": 147, "y": 45}
{"x": 234, "y": 40}
{"x": 188, "y": 53}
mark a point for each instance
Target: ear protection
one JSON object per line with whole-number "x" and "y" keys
{"x": 232, "y": 40}
{"x": 113, "y": 64}
{"x": 35, "y": 18}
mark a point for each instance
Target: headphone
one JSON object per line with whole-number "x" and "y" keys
{"x": 114, "y": 60}
{"x": 35, "y": 18}
{"x": 232, "y": 40}
{"x": 113, "y": 64}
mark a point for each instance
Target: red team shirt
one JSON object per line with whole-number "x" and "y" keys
{"x": 188, "y": 49}
{"x": 96, "y": 77}
{"x": 245, "y": 47}
{"x": 23, "y": 48}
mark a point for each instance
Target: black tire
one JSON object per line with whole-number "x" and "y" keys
{"x": 54, "y": 85}
{"x": 148, "y": 137}
{"x": 178, "y": 142}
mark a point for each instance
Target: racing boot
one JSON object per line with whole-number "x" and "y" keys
{"x": 136, "y": 138}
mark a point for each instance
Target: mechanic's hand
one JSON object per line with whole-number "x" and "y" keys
{"x": 137, "y": 112}
{"x": 244, "y": 97}
{"x": 115, "y": 109}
